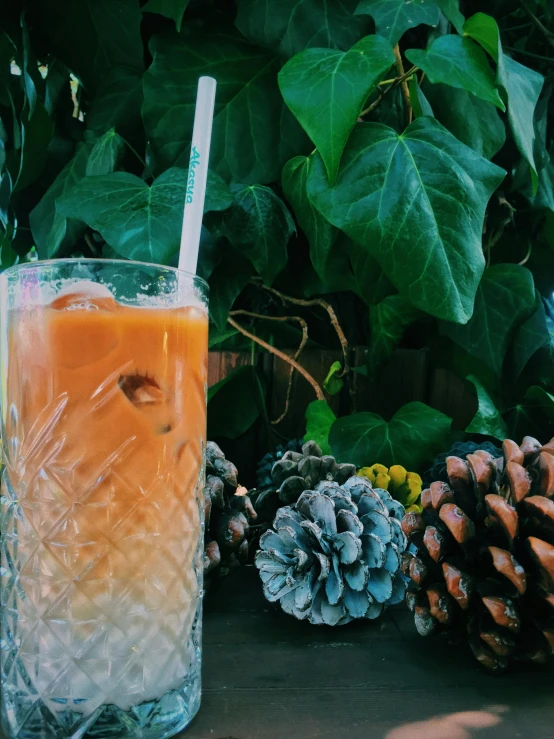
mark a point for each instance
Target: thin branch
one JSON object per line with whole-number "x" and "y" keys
{"x": 297, "y": 354}
{"x": 526, "y": 257}
{"x": 278, "y": 353}
{"x": 396, "y": 81}
{"x": 332, "y": 317}
{"x": 549, "y": 36}
{"x": 135, "y": 152}
{"x": 530, "y": 54}
{"x": 404, "y": 85}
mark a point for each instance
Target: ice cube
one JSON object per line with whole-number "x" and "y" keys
{"x": 85, "y": 295}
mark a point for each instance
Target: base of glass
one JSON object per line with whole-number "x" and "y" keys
{"x": 156, "y": 719}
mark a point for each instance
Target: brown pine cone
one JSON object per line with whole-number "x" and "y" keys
{"x": 482, "y": 562}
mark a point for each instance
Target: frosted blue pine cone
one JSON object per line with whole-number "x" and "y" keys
{"x": 335, "y": 555}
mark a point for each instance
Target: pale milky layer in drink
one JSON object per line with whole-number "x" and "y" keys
{"x": 105, "y": 433}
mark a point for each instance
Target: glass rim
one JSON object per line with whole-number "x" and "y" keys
{"x": 94, "y": 260}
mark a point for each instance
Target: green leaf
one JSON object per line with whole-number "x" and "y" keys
{"x": 227, "y": 281}
{"x": 328, "y": 245}
{"x": 505, "y": 298}
{"x": 333, "y": 383}
{"x": 372, "y": 284}
{"x": 488, "y": 419}
{"x": 531, "y": 335}
{"x": 117, "y": 102}
{"x": 290, "y": 26}
{"x": 260, "y": 225}
{"x": 29, "y": 69}
{"x": 416, "y": 203}
{"x": 254, "y": 133}
{"x": 418, "y": 101}
{"x": 138, "y": 221}
{"x": 521, "y": 86}
{"x": 326, "y": 90}
{"x": 319, "y": 419}
{"x": 172, "y": 9}
{"x": 411, "y": 438}
{"x": 475, "y": 123}
{"x": 388, "y": 321}
{"x": 106, "y": 154}
{"x": 89, "y": 36}
{"x": 544, "y": 197}
{"x": 394, "y": 17}
{"x": 52, "y": 232}
{"x": 538, "y": 398}
{"x": 36, "y": 134}
{"x": 235, "y": 403}
{"x": 459, "y": 62}
{"x": 450, "y": 8}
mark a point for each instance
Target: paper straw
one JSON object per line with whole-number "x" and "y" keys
{"x": 198, "y": 174}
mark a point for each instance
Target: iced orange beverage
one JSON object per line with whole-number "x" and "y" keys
{"x": 104, "y": 370}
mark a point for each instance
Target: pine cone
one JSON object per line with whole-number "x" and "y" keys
{"x": 228, "y": 514}
{"x": 335, "y": 555}
{"x": 483, "y": 560}
{"x": 459, "y": 449}
{"x": 264, "y": 480}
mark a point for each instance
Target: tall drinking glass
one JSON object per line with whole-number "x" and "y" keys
{"x": 103, "y": 372}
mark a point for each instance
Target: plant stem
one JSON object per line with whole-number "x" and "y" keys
{"x": 530, "y": 54}
{"x": 278, "y": 353}
{"x": 396, "y": 81}
{"x": 404, "y": 84}
{"x": 549, "y": 36}
{"x": 135, "y": 152}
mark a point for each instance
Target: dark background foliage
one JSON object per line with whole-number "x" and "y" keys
{"x": 392, "y": 157}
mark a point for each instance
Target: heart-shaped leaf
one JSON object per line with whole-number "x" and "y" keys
{"x": 235, "y": 403}
{"x": 394, "y": 17}
{"x": 172, "y": 9}
{"x": 326, "y": 90}
{"x": 488, "y": 419}
{"x": 329, "y": 247}
{"x": 333, "y": 384}
{"x": 138, "y": 221}
{"x": 117, "y": 102}
{"x": 521, "y": 86}
{"x": 505, "y": 298}
{"x": 411, "y": 438}
{"x": 247, "y": 91}
{"x": 474, "y": 122}
{"x": 451, "y": 10}
{"x": 416, "y": 203}
{"x": 260, "y": 225}
{"x": 388, "y": 321}
{"x": 319, "y": 419}
{"x": 227, "y": 282}
{"x": 290, "y": 26}
{"x": 532, "y": 335}
{"x": 106, "y": 154}
{"x": 459, "y": 62}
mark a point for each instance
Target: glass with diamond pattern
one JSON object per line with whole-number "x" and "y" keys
{"x": 103, "y": 371}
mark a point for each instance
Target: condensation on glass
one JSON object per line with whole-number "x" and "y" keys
{"x": 103, "y": 371}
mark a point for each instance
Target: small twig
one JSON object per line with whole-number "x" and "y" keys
{"x": 549, "y": 36}
{"x": 278, "y": 353}
{"x": 91, "y": 244}
{"x": 135, "y": 152}
{"x": 526, "y": 257}
{"x": 395, "y": 81}
{"x": 297, "y": 354}
{"x": 404, "y": 85}
{"x": 332, "y": 317}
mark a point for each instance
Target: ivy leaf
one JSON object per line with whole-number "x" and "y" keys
{"x": 451, "y": 10}
{"x": 328, "y": 250}
{"x": 326, "y": 91}
{"x": 247, "y": 92}
{"x": 474, "y": 122}
{"x": 394, "y": 17}
{"x": 537, "y": 397}
{"x": 532, "y": 335}
{"x": 29, "y": 69}
{"x": 227, "y": 281}
{"x": 416, "y": 203}
{"x": 235, "y": 403}
{"x": 139, "y": 221}
{"x": 459, "y": 62}
{"x": 260, "y": 225}
{"x": 110, "y": 35}
{"x": 290, "y": 26}
{"x": 319, "y": 419}
{"x": 411, "y": 438}
{"x": 388, "y": 321}
{"x": 172, "y": 9}
{"x": 521, "y": 86}
{"x": 488, "y": 419}
{"x": 36, "y": 134}
{"x": 332, "y": 383}
{"x": 52, "y": 232}
{"x": 418, "y": 101}
{"x": 106, "y": 154}
{"x": 505, "y": 298}
{"x": 372, "y": 284}
{"x": 117, "y": 102}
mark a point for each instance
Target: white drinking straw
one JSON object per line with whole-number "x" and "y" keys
{"x": 198, "y": 174}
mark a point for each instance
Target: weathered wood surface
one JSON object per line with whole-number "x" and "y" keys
{"x": 267, "y": 676}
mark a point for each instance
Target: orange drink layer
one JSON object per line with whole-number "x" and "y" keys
{"x": 107, "y": 420}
